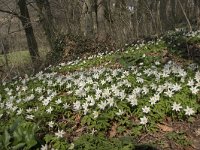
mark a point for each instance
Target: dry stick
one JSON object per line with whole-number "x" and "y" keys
{"x": 190, "y": 27}
{"x": 4, "y": 53}
{"x": 7, "y": 73}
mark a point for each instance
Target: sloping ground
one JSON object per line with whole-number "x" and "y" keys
{"x": 184, "y": 44}
{"x": 140, "y": 98}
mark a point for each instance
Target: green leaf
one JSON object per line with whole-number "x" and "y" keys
{"x": 191, "y": 119}
{"x": 128, "y": 147}
{"x": 48, "y": 138}
{"x": 17, "y": 136}
{"x": 14, "y": 126}
{"x": 6, "y": 138}
{"x": 18, "y": 146}
{"x": 30, "y": 143}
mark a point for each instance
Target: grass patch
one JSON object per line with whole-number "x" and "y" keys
{"x": 17, "y": 58}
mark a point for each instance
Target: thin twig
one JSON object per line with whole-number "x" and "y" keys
{"x": 189, "y": 25}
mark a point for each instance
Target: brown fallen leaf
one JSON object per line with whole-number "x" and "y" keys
{"x": 113, "y": 130}
{"x": 165, "y": 128}
{"x": 197, "y": 132}
{"x": 77, "y": 118}
{"x": 80, "y": 130}
{"x": 168, "y": 119}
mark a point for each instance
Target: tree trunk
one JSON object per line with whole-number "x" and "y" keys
{"x": 163, "y": 15}
{"x": 101, "y": 21}
{"x": 140, "y": 12}
{"x": 26, "y": 22}
{"x": 197, "y": 12}
{"x": 88, "y": 18}
{"x": 173, "y": 13}
{"x": 46, "y": 19}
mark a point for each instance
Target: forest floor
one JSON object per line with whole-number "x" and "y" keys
{"x": 144, "y": 97}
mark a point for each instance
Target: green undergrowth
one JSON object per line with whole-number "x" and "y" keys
{"x": 25, "y": 135}
{"x": 184, "y": 44}
{"x": 106, "y": 101}
{"x": 131, "y": 56}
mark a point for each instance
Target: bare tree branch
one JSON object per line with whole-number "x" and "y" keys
{"x": 10, "y": 12}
